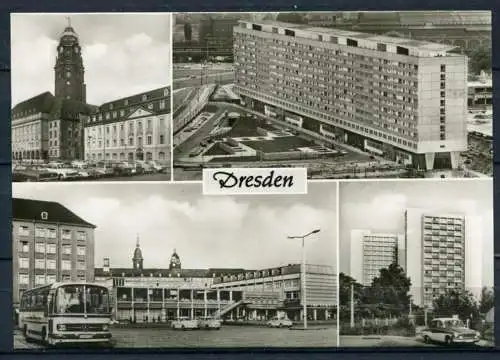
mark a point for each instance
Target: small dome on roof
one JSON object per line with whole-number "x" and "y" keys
{"x": 68, "y": 30}
{"x": 137, "y": 252}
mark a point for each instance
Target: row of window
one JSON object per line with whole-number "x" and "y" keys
{"x": 328, "y": 116}
{"x": 129, "y": 157}
{"x": 43, "y": 248}
{"x": 51, "y": 233}
{"x": 91, "y": 141}
{"x": 261, "y": 72}
{"x": 123, "y": 112}
{"x": 140, "y": 129}
{"x": 27, "y": 129}
{"x": 40, "y": 280}
{"x": 50, "y": 264}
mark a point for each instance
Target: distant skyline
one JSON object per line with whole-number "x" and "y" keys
{"x": 380, "y": 206}
{"x": 219, "y": 231}
{"x": 123, "y": 54}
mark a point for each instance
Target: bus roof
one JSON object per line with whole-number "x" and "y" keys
{"x": 60, "y": 283}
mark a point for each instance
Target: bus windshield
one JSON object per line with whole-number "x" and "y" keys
{"x": 82, "y": 299}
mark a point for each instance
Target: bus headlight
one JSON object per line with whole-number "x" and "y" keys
{"x": 105, "y": 327}
{"x": 61, "y": 327}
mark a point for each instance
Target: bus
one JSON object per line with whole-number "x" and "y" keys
{"x": 66, "y": 312}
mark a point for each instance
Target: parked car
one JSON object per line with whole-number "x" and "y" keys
{"x": 185, "y": 324}
{"x": 64, "y": 172}
{"x": 450, "y": 331}
{"x": 157, "y": 166}
{"x": 33, "y": 174}
{"x": 146, "y": 168}
{"x": 279, "y": 322}
{"x": 210, "y": 323}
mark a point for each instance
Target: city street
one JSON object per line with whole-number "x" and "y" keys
{"x": 221, "y": 78}
{"x": 389, "y": 341}
{"x": 227, "y": 336}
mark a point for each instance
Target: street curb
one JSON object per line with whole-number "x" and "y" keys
{"x": 309, "y": 329}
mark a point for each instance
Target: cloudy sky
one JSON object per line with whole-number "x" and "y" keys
{"x": 207, "y": 231}
{"x": 379, "y": 206}
{"x": 123, "y": 54}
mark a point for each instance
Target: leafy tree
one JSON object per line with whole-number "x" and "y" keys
{"x": 345, "y": 283}
{"x": 292, "y": 17}
{"x": 388, "y": 293}
{"x": 457, "y": 302}
{"x": 487, "y": 300}
{"x": 480, "y": 59}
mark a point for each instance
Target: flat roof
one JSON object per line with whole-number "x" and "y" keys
{"x": 410, "y": 43}
{"x": 485, "y": 83}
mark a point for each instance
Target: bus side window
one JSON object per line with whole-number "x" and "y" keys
{"x": 50, "y": 305}
{"x": 45, "y": 304}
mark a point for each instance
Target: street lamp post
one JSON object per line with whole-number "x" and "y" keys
{"x": 303, "y": 273}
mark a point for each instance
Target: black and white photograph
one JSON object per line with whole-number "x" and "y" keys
{"x": 91, "y": 97}
{"x": 416, "y": 269}
{"x": 162, "y": 266}
{"x": 346, "y": 94}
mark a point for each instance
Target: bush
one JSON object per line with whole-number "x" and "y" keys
{"x": 403, "y": 327}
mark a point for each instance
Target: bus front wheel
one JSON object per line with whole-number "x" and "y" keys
{"x": 25, "y": 333}
{"x": 45, "y": 337}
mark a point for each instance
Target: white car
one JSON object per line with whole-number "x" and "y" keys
{"x": 210, "y": 323}
{"x": 63, "y": 172}
{"x": 279, "y": 322}
{"x": 158, "y": 167}
{"x": 185, "y": 324}
{"x": 449, "y": 331}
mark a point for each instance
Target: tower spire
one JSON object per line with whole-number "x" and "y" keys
{"x": 69, "y": 21}
{"x": 137, "y": 259}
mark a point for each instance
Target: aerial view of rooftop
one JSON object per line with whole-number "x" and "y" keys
{"x": 344, "y": 94}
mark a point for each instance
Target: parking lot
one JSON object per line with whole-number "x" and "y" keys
{"x": 91, "y": 171}
{"x": 228, "y": 336}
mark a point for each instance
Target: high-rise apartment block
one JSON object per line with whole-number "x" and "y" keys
{"x": 371, "y": 252}
{"x": 399, "y": 98}
{"x": 436, "y": 256}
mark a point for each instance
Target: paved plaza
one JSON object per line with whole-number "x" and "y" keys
{"x": 230, "y": 336}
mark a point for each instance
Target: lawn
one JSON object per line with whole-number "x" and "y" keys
{"x": 244, "y": 127}
{"x": 281, "y": 144}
